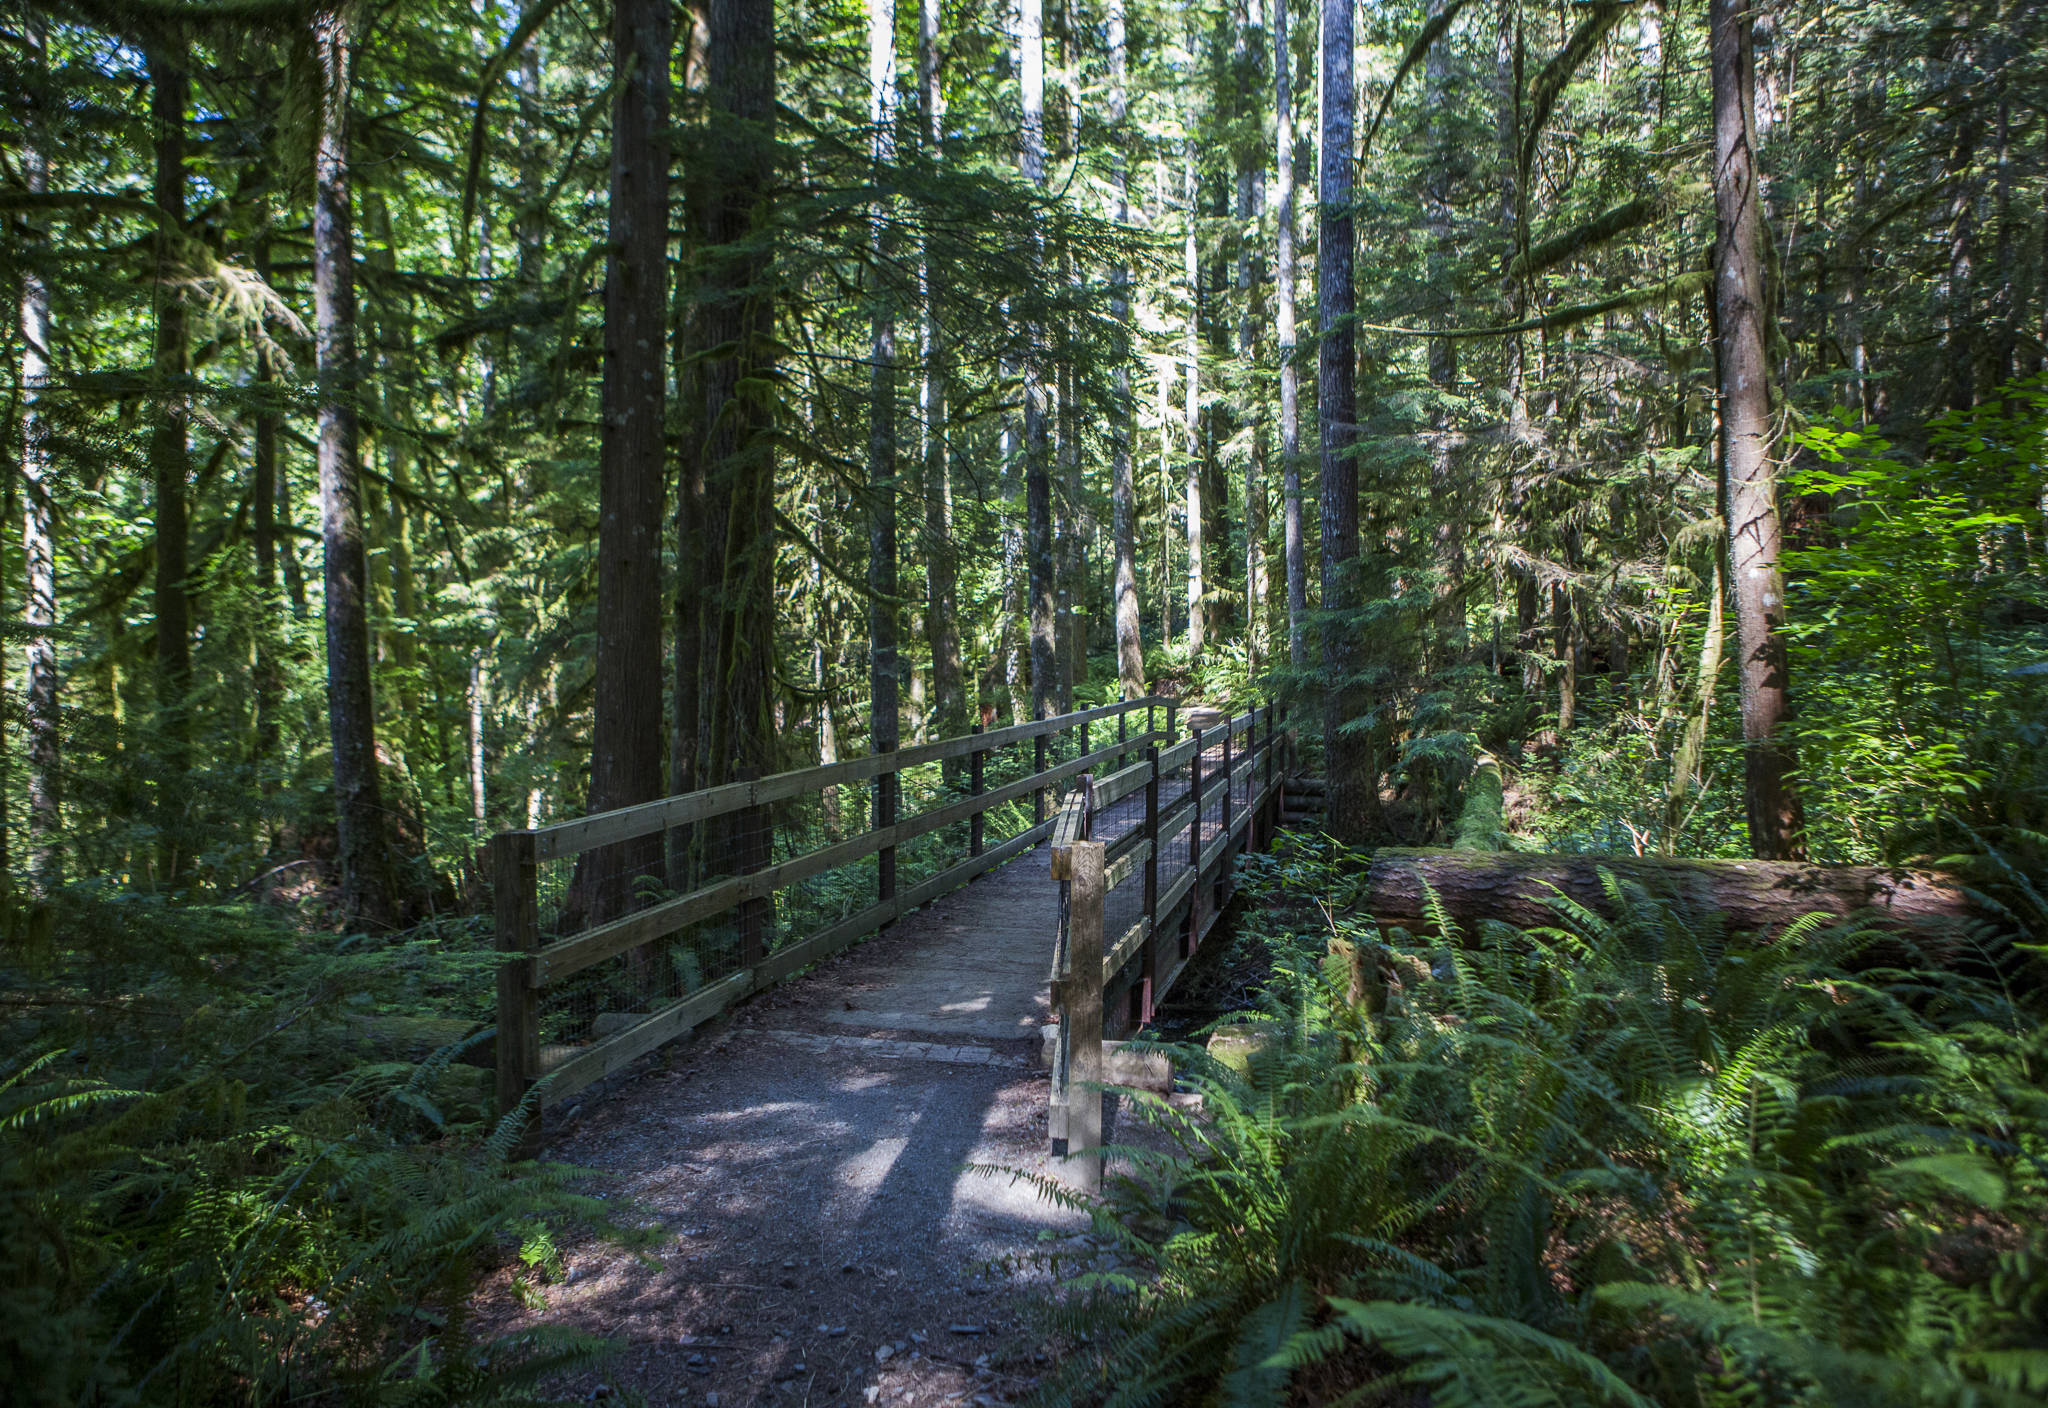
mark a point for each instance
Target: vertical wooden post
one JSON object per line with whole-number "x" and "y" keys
{"x": 1123, "y": 718}
{"x": 1086, "y": 731}
{"x": 1266, "y": 788}
{"x": 1038, "y": 767}
{"x": 1149, "y": 958}
{"x": 1084, "y": 1014}
{"x": 885, "y": 816}
{"x": 515, "y": 885}
{"x": 974, "y": 789}
{"x": 1194, "y": 930}
{"x": 1148, "y": 718}
{"x": 1229, "y": 731}
{"x": 1172, "y": 709}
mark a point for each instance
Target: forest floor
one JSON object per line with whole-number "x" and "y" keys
{"x": 825, "y": 1238}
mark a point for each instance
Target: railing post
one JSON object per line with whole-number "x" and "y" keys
{"x": 1149, "y": 962}
{"x": 1266, "y": 766}
{"x": 1084, "y": 1014}
{"x": 1194, "y": 933}
{"x": 1228, "y": 733}
{"x": 974, "y": 788}
{"x": 1038, "y": 768}
{"x": 885, "y": 816}
{"x": 515, "y": 885}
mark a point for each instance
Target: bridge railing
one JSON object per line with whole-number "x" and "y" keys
{"x": 615, "y": 941}
{"x": 1137, "y": 896}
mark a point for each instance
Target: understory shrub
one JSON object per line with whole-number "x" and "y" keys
{"x": 228, "y": 1174}
{"x": 1634, "y": 1160}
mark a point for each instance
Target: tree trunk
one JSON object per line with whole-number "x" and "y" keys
{"x": 1750, "y": 477}
{"x": 1685, "y": 757}
{"x": 1130, "y": 650}
{"x": 1290, "y": 376}
{"x": 170, "y": 93}
{"x": 1449, "y": 615}
{"x": 625, "y": 752}
{"x": 1754, "y": 894}
{"x": 884, "y": 718}
{"x": 366, "y": 895}
{"x": 1037, "y": 456}
{"x": 265, "y": 497}
{"x": 942, "y": 603}
{"x": 1251, "y": 275}
{"x": 1191, "y": 354}
{"x": 1353, "y": 783}
{"x": 739, "y": 529}
{"x": 38, "y": 535}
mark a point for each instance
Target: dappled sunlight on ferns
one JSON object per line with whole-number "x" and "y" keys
{"x": 1628, "y": 1159}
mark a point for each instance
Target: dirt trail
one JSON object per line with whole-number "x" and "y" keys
{"x": 823, "y": 1239}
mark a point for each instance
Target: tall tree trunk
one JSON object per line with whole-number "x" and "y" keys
{"x": 1445, "y": 490}
{"x": 1130, "y": 650}
{"x": 38, "y": 530}
{"x": 1251, "y": 275}
{"x": 265, "y": 497}
{"x": 169, "y": 457}
{"x": 625, "y": 743}
{"x": 885, "y": 714}
{"x": 1296, "y": 551}
{"x": 366, "y": 892}
{"x": 942, "y": 592}
{"x": 1749, "y": 475}
{"x": 1354, "y": 787}
{"x": 1191, "y": 416}
{"x": 1037, "y": 456}
{"x": 738, "y": 525}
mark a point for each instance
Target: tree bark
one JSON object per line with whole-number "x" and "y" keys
{"x": 1749, "y": 475}
{"x": 1354, "y": 786}
{"x": 38, "y": 535}
{"x": 942, "y": 602}
{"x": 1191, "y": 416}
{"x": 169, "y": 457}
{"x": 738, "y": 320}
{"x": 1037, "y": 455}
{"x": 625, "y": 753}
{"x": 1290, "y": 377}
{"x": 264, "y": 498}
{"x": 366, "y": 896}
{"x": 884, "y": 719}
{"x": 1130, "y": 650}
{"x": 1753, "y": 894}
{"x": 1251, "y": 275}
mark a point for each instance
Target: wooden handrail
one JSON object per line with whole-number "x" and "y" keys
{"x": 567, "y": 838}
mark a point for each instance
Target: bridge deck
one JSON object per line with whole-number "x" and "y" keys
{"x": 809, "y": 1166}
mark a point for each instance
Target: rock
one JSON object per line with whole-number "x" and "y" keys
{"x": 967, "y": 1329}
{"x": 606, "y": 1024}
{"x": 883, "y": 1352}
{"x": 1236, "y": 1046}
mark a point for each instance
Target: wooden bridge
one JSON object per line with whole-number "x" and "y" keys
{"x": 1123, "y": 833}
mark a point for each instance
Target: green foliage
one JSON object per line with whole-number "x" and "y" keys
{"x": 221, "y": 1182}
{"x": 1633, "y": 1160}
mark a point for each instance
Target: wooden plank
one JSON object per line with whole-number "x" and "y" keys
{"x": 1177, "y": 891}
{"x": 564, "y": 838}
{"x": 571, "y": 955}
{"x": 828, "y": 941}
{"x": 1118, "y": 956}
{"x": 1120, "y": 870}
{"x": 594, "y": 1063}
{"x": 1083, "y": 1016}
{"x": 1176, "y": 756}
{"x": 1120, "y": 784}
{"x": 1068, "y": 826}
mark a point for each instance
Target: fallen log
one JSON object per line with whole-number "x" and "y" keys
{"x": 1753, "y": 894}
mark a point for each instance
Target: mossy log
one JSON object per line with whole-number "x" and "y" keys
{"x": 1482, "y": 819}
{"x": 1753, "y": 894}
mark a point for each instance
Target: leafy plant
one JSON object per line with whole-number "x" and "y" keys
{"x": 1628, "y": 1158}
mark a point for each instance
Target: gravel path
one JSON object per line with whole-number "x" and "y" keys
{"x": 823, "y": 1239}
